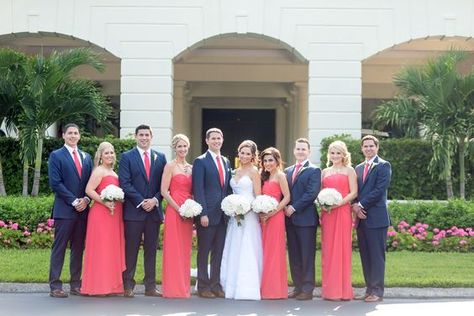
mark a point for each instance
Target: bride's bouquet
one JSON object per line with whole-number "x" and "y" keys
{"x": 236, "y": 206}
{"x": 190, "y": 209}
{"x": 327, "y": 198}
{"x": 264, "y": 204}
{"x": 112, "y": 193}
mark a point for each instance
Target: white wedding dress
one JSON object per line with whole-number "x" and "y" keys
{"x": 241, "y": 266}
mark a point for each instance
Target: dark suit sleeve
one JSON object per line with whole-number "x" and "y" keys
{"x": 125, "y": 177}
{"x": 311, "y": 190}
{"x": 56, "y": 180}
{"x": 198, "y": 184}
{"x": 162, "y": 162}
{"x": 381, "y": 185}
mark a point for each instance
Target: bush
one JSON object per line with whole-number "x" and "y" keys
{"x": 409, "y": 159}
{"x": 26, "y": 211}
{"x": 13, "y": 167}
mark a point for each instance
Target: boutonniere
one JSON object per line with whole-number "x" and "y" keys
{"x": 302, "y": 169}
{"x": 373, "y": 165}
{"x": 83, "y": 155}
{"x": 155, "y": 156}
{"x": 232, "y": 173}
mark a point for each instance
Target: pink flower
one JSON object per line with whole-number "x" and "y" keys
{"x": 14, "y": 226}
{"x": 436, "y": 230}
{"x": 50, "y": 222}
{"x": 471, "y": 233}
{"x": 394, "y": 244}
{"x": 26, "y": 233}
{"x": 39, "y": 230}
{"x": 435, "y": 243}
{"x": 2, "y": 224}
{"x": 391, "y": 233}
{"x": 463, "y": 242}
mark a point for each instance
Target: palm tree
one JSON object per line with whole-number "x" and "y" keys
{"x": 50, "y": 93}
{"x": 437, "y": 100}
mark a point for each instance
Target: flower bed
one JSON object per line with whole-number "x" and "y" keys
{"x": 14, "y": 236}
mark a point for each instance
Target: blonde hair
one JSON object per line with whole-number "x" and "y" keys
{"x": 100, "y": 150}
{"x": 340, "y": 146}
{"x": 253, "y": 149}
{"x": 177, "y": 138}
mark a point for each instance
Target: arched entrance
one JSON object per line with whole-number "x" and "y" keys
{"x": 250, "y": 86}
{"x": 45, "y": 43}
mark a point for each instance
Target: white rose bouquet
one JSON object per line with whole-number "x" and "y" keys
{"x": 236, "y": 206}
{"x": 327, "y": 198}
{"x": 190, "y": 209}
{"x": 264, "y": 204}
{"x": 112, "y": 193}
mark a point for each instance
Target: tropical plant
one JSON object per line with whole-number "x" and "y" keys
{"x": 436, "y": 102}
{"x": 51, "y": 93}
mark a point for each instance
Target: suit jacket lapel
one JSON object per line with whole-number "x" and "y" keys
{"x": 210, "y": 161}
{"x": 139, "y": 162}
{"x": 303, "y": 167}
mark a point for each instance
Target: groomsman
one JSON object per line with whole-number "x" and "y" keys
{"x": 304, "y": 180}
{"x": 69, "y": 170}
{"x": 373, "y": 180}
{"x": 211, "y": 175}
{"x": 140, "y": 172}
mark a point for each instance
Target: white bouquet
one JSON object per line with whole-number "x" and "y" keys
{"x": 236, "y": 206}
{"x": 112, "y": 193}
{"x": 264, "y": 204}
{"x": 327, "y": 198}
{"x": 190, "y": 209}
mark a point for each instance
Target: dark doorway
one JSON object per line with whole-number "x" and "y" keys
{"x": 238, "y": 125}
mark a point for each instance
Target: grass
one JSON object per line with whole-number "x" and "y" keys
{"x": 404, "y": 269}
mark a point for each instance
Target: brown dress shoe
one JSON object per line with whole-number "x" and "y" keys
{"x": 58, "y": 293}
{"x": 219, "y": 293}
{"x": 75, "y": 291}
{"x": 206, "y": 294}
{"x": 293, "y": 294}
{"x": 373, "y": 299}
{"x": 304, "y": 296}
{"x": 361, "y": 297}
{"x": 153, "y": 292}
{"x": 128, "y": 293}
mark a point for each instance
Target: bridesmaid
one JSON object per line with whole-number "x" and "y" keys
{"x": 336, "y": 226}
{"x": 104, "y": 259}
{"x": 274, "y": 277}
{"x": 178, "y": 232}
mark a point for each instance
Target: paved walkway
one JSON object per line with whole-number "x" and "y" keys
{"x": 394, "y": 292}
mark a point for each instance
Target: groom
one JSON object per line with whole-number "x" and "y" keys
{"x": 211, "y": 175}
{"x": 302, "y": 220}
{"x": 373, "y": 180}
{"x": 140, "y": 172}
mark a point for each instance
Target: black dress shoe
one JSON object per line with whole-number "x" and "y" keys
{"x": 75, "y": 291}
{"x": 128, "y": 293}
{"x": 153, "y": 292}
{"x": 304, "y": 296}
{"x": 58, "y": 293}
{"x": 206, "y": 294}
{"x": 293, "y": 294}
{"x": 219, "y": 293}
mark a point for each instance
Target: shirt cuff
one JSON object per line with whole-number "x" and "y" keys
{"x": 361, "y": 206}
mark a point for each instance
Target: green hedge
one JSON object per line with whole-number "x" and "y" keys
{"x": 409, "y": 159}
{"x": 26, "y": 211}
{"x": 12, "y": 166}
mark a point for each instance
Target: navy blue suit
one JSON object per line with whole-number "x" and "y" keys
{"x": 137, "y": 187}
{"x": 302, "y": 225}
{"x": 372, "y": 231}
{"x": 208, "y": 192}
{"x": 69, "y": 224}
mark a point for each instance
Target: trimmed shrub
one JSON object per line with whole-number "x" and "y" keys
{"x": 26, "y": 211}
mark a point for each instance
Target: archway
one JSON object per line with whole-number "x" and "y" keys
{"x": 236, "y": 74}
{"x": 45, "y": 43}
{"x": 379, "y": 69}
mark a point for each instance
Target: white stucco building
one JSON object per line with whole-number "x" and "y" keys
{"x": 304, "y": 66}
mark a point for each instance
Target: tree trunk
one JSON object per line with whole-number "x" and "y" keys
{"x": 3, "y": 192}
{"x": 38, "y": 159}
{"x": 25, "y": 177}
{"x": 462, "y": 168}
{"x": 449, "y": 180}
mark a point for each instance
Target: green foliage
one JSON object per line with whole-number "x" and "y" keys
{"x": 12, "y": 165}
{"x": 26, "y": 211}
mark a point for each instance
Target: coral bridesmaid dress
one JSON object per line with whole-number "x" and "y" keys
{"x": 177, "y": 242}
{"x": 104, "y": 259}
{"x": 336, "y": 244}
{"x": 274, "y": 277}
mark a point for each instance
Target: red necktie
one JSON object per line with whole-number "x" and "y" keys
{"x": 221, "y": 170}
{"x": 295, "y": 173}
{"x": 77, "y": 163}
{"x": 146, "y": 159}
{"x": 366, "y": 170}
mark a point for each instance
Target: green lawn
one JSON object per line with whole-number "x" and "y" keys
{"x": 404, "y": 269}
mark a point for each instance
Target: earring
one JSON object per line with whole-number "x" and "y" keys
{"x": 100, "y": 161}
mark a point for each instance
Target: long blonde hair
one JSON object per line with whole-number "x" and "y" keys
{"x": 340, "y": 146}
{"x": 100, "y": 150}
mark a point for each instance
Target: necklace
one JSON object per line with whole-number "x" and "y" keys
{"x": 184, "y": 167}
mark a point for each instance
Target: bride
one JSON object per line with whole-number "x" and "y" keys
{"x": 241, "y": 267}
